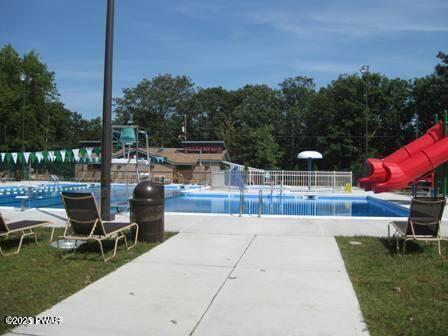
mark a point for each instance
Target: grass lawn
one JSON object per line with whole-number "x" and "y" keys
{"x": 37, "y": 278}
{"x": 399, "y": 295}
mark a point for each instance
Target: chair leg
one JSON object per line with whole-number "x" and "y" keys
{"x": 17, "y": 251}
{"x": 116, "y": 245}
{"x": 1, "y": 251}
{"x": 135, "y": 238}
{"x": 388, "y": 233}
{"x": 52, "y": 234}
{"x": 101, "y": 249}
{"x": 397, "y": 244}
{"x": 125, "y": 241}
{"x": 115, "y": 248}
{"x": 35, "y": 236}
{"x": 404, "y": 245}
{"x": 440, "y": 248}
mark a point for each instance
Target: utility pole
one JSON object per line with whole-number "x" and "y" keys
{"x": 184, "y": 127}
{"x": 5, "y": 137}
{"x": 365, "y": 72}
{"x": 46, "y": 132}
{"x": 23, "y": 79}
{"x": 106, "y": 143}
{"x": 416, "y": 126}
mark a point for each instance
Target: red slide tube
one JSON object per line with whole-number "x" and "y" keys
{"x": 399, "y": 175}
{"x": 378, "y": 173}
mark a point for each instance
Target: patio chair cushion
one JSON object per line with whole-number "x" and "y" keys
{"x": 110, "y": 227}
{"x": 401, "y": 226}
{"x": 420, "y": 230}
{"x": 20, "y": 225}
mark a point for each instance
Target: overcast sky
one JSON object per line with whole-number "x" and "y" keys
{"x": 224, "y": 43}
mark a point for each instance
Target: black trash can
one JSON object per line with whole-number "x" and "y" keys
{"x": 147, "y": 210}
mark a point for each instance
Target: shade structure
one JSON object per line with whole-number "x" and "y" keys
{"x": 309, "y": 155}
{"x": 127, "y": 136}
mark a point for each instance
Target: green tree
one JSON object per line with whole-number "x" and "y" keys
{"x": 265, "y": 150}
{"x": 155, "y": 105}
{"x": 30, "y": 105}
{"x": 259, "y": 108}
{"x": 430, "y": 94}
{"x": 337, "y": 120}
{"x": 211, "y": 114}
{"x": 296, "y": 95}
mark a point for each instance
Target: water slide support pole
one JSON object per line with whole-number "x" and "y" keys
{"x": 434, "y": 179}
{"x": 445, "y": 133}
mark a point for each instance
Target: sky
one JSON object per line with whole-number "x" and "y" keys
{"x": 224, "y": 43}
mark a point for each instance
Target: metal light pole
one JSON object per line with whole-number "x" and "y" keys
{"x": 106, "y": 143}
{"x": 23, "y": 79}
{"x": 365, "y": 71}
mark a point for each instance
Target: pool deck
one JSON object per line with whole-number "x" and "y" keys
{"x": 251, "y": 224}
{"x": 223, "y": 275}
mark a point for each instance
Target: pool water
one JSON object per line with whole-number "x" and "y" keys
{"x": 286, "y": 205}
{"x": 179, "y": 199}
{"x": 49, "y": 195}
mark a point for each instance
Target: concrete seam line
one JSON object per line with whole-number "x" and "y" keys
{"x": 21, "y": 333}
{"x": 222, "y": 286}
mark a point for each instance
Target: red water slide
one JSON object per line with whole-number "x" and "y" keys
{"x": 399, "y": 175}
{"x": 378, "y": 170}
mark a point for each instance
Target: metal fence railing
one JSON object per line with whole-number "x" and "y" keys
{"x": 283, "y": 179}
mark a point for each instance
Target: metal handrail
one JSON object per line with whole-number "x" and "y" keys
{"x": 260, "y": 203}
{"x": 241, "y": 202}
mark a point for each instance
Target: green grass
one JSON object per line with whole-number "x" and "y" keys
{"x": 399, "y": 295}
{"x": 37, "y": 278}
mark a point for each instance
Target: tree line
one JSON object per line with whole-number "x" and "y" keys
{"x": 267, "y": 127}
{"x": 32, "y": 116}
{"x": 262, "y": 126}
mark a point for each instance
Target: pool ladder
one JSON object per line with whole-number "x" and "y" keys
{"x": 241, "y": 202}
{"x": 260, "y": 203}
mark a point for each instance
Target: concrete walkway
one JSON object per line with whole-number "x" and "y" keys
{"x": 223, "y": 275}
{"x": 218, "y": 284}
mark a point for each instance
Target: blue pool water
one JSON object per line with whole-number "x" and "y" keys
{"x": 286, "y": 205}
{"x": 176, "y": 200}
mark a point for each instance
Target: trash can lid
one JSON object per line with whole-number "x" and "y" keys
{"x": 148, "y": 189}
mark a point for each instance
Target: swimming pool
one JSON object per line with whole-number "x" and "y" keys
{"x": 49, "y": 195}
{"x": 179, "y": 199}
{"x": 362, "y": 206}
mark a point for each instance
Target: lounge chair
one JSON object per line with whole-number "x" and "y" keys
{"x": 84, "y": 223}
{"x": 24, "y": 228}
{"x": 423, "y": 223}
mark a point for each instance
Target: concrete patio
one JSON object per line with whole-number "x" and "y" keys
{"x": 218, "y": 284}
{"x": 223, "y": 275}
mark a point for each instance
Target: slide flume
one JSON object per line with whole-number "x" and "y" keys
{"x": 399, "y": 175}
{"x": 379, "y": 172}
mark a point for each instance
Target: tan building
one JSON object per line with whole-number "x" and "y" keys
{"x": 191, "y": 164}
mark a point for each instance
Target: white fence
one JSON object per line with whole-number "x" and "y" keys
{"x": 289, "y": 180}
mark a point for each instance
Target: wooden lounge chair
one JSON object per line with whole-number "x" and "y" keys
{"x": 84, "y": 223}
{"x": 424, "y": 222}
{"x": 24, "y": 228}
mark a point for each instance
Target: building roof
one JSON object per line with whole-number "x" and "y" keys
{"x": 178, "y": 156}
{"x": 217, "y": 142}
